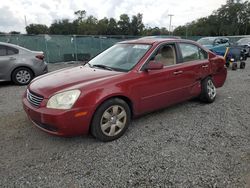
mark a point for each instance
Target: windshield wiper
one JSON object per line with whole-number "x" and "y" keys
{"x": 103, "y": 67}
{"x": 87, "y": 63}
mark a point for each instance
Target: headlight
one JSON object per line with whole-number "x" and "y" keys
{"x": 64, "y": 100}
{"x": 232, "y": 59}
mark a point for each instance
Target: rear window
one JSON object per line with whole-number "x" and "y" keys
{"x": 11, "y": 51}
{"x": 3, "y": 50}
{"x": 6, "y": 50}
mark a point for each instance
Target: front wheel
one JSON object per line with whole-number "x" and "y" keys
{"x": 234, "y": 66}
{"x": 208, "y": 90}
{"x": 242, "y": 65}
{"x": 111, "y": 120}
{"x": 22, "y": 76}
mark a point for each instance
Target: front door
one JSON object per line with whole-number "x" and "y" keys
{"x": 160, "y": 88}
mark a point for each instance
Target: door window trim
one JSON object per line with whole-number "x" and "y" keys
{"x": 177, "y": 54}
{"x": 182, "y": 61}
{"x": 7, "y": 48}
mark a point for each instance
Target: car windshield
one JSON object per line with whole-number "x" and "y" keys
{"x": 244, "y": 41}
{"x": 120, "y": 57}
{"x": 206, "y": 41}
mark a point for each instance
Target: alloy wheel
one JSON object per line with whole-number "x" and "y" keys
{"x": 211, "y": 89}
{"x": 23, "y": 76}
{"x": 113, "y": 120}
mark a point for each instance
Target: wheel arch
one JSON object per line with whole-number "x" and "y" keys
{"x": 27, "y": 67}
{"x": 122, "y": 97}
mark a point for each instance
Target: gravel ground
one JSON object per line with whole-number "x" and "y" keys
{"x": 187, "y": 145}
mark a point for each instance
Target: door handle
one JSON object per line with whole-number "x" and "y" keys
{"x": 178, "y": 72}
{"x": 204, "y": 66}
{"x": 12, "y": 58}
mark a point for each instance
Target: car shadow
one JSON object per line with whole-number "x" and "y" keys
{"x": 6, "y": 83}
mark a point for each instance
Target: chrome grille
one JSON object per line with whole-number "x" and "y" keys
{"x": 34, "y": 99}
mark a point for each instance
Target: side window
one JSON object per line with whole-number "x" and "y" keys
{"x": 217, "y": 41}
{"x": 203, "y": 54}
{"x": 192, "y": 52}
{"x": 3, "y": 50}
{"x": 12, "y": 51}
{"x": 165, "y": 55}
{"x": 224, "y": 41}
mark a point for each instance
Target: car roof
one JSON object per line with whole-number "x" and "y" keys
{"x": 9, "y": 44}
{"x": 214, "y": 38}
{"x": 151, "y": 41}
{"x": 245, "y": 38}
{"x": 14, "y": 46}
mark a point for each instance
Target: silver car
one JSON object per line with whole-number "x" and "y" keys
{"x": 19, "y": 64}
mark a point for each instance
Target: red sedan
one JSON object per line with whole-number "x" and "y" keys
{"x": 129, "y": 79}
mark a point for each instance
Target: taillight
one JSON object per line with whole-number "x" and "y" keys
{"x": 40, "y": 56}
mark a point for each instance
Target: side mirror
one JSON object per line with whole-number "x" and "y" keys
{"x": 152, "y": 65}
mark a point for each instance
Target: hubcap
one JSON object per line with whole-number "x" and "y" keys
{"x": 23, "y": 76}
{"x": 211, "y": 89}
{"x": 113, "y": 120}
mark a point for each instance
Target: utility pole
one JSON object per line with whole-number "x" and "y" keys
{"x": 25, "y": 21}
{"x": 170, "y": 23}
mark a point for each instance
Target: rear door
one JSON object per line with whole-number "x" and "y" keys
{"x": 7, "y": 60}
{"x": 4, "y": 62}
{"x": 195, "y": 65}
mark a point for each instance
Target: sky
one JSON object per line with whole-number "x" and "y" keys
{"x": 155, "y": 12}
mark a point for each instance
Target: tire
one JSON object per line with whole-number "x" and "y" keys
{"x": 242, "y": 65}
{"x": 234, "y": 66}
{"x": 22, "y": 76}
{"x": 208, "y": 90}
{"x": 111, "y": 120}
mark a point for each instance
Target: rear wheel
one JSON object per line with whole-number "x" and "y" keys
{"x": 234, "y": 66}
{"x": 208, "y": 92}
{"x": 111, "y": 120}
{"x": 242, "y": 65}
{"x": 22, "y": 76}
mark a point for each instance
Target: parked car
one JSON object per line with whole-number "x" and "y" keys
{"x": 244, "y": 42}
{"x": 19, "y": 64}
{"x": 215, "y": 44}
{"x": 127, "y": 80}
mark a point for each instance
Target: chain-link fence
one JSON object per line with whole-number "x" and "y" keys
{"x": 58, "y": 48}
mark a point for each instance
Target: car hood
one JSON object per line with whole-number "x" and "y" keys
{"x": 244, "y": 44}
{"x": 69, "y": 78}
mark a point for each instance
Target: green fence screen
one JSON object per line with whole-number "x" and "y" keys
{"x": 61, "y": 48}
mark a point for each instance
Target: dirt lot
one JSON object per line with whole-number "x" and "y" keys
{"x": 187, "y": 145}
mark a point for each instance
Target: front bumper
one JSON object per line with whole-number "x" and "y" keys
{"x": 59, "y": 122}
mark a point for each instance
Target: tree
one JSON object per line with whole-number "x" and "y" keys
{"x": 14, "y": 32}
{"x": 137, "y": 25}
{"x": 124, "y": 24}
{"x": 102, "y": 26}
{"x": 37, "y": 29}
{"x": 112, "y": 27}
{"x": 233, "y": 18}
{"x": 81, "y": 15}
{"x": 63, "y": 27}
